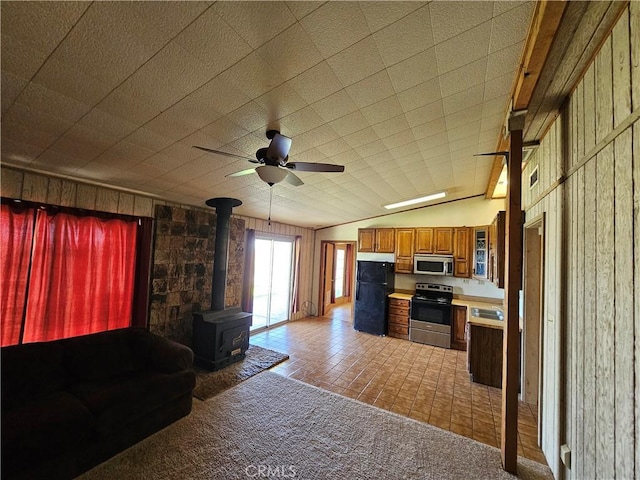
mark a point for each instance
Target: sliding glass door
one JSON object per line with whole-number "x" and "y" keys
{"x": 272, "y": 281}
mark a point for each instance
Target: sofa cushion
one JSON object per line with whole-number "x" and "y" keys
{"x": 30, "y": 371}
{"x": 55, "y": 421}
{"x": 107, "y": 354}
{"x": 118, "y": 401}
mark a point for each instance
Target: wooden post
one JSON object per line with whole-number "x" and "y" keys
{"x": 513, "y": 281}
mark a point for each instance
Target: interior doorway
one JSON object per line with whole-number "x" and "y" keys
{"x": 272, "y": 281}
{"x": 336, "y": 274}
{"x": 533, "y": 303}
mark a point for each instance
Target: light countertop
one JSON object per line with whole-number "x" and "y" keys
{"x": 401, "y": 296}
{"x": 484, "y": 322}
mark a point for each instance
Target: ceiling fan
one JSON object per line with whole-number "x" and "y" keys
{"x": 274, "y": 165}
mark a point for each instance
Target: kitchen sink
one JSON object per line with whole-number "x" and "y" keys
{"x": 487, "y": 313}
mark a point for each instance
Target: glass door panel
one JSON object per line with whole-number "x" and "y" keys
{"x": 338, "y": 280}
{"x": 272, "y": 282}
{"x": 280, "y": 282}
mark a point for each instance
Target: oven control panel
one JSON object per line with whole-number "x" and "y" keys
{"x": 433, "y": 287}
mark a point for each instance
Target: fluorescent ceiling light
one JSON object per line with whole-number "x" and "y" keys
{"x": 416, "y": 200}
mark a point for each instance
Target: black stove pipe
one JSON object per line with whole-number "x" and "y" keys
{"x": 223, "y": 208}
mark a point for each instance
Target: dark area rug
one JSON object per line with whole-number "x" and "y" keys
{"x": 209, "y": 384}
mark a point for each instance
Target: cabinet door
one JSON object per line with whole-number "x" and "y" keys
{"x": 480, "y": 247}
{"x": 443, "y": 239}
{"x": 366, "y": 239}
{"x": 385, "y": 240}
{"x": 403, "y": 265}
{"x": 497, "y": 250}
{"x": 424, "y": 240}
{"x": 404, "y": 242}
{"x": 404, "y": 250}
{"x": 461, "y": 252}
{"x": 458, "y": 329}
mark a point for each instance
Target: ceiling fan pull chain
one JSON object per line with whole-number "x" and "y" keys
{"x": 270, "y": 198}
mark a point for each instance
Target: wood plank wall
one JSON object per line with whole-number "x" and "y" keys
{"x": 36, "y": 187}
{"x": 589, "y": 170}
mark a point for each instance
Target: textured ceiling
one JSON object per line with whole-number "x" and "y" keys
{"x": 401, "y": 93}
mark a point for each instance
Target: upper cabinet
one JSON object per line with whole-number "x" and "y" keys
{"x": 385, "y": 240}
{"x": 477, "y": 251}
{"x": 462, "y": 252}
{"x": 443, "y": 240}
{"x": 424, "y": 240}
{"x": 405, "y": 238}
{"x": 366, "y": 240}
{"x": 378, "y": 240}
{"x": 496, "y": 250}
{"x": 480, "y": 253}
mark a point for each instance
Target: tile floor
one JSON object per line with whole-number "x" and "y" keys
{"x": 426, "y": 383}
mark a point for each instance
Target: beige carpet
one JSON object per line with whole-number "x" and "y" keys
{"x": 271, "y": 426}
{"x": 257, "y": 359}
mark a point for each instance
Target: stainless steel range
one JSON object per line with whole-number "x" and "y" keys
{"x": 431, "y": 312}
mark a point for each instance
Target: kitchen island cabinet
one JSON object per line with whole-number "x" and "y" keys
{"x": 484, "y": 354}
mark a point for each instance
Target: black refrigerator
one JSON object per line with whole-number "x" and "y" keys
{"x": 374, "y": 282}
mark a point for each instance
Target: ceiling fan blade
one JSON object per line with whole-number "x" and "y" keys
{"x": 293, "y": 179}
{"x": 315, "y": 167}
{"x": 226, "y": 154}
{"x": 279, "y": 147}
{"x": 242, "y": 173}
{"x": 491, "y": 154}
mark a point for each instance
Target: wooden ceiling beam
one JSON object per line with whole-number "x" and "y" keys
{"x": 542, "y": 31}
{"x": 545, "y": 23}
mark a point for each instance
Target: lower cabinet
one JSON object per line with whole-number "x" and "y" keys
{"x": 484, "y": 355}
{"x": 398, "y": 325}
{"x": 458, "y": 328}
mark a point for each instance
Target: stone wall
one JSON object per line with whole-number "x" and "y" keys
{"x": 183, "y": 269}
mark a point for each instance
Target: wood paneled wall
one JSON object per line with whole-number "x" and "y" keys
{"x": 589, "y": 170}
{"x": 36, "y": 187}
{"x": 307, "y": 306}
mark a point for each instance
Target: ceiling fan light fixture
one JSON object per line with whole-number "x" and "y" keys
{"x": 413, "y": 201}
{"x": 271, "y": 174}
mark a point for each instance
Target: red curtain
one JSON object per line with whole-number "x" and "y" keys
{"x": 82, "y": 276}
{"x": 16, "y": 238}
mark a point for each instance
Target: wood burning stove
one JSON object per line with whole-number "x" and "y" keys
{"x": 220, "y": 336}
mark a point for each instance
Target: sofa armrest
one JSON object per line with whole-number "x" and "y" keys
{"x": 168, "y": 356}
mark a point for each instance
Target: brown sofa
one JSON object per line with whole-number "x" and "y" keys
{"x": 70, "y": 404}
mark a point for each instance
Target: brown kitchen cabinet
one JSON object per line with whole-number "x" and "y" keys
{"x": 398, "y": 320}
{"x": 404, "y": 250}
{"x": 376, "y": 240}
{"x": 480, "y": 246}
{"x": 458, "y": 328}
{"x": 424, "y": 240}
{"x": 484, "y": 354}
{"x": 497, "y": 250}
{"x": 462, "y": 252}
{"x": 443, "y": 240}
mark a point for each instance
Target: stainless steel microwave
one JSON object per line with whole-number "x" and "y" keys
{"x": 433, "y": 264}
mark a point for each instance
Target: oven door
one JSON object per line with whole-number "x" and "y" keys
{"x": 426, "y": 311}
